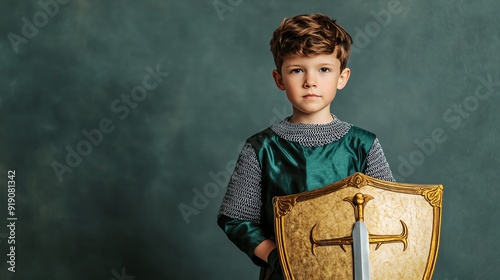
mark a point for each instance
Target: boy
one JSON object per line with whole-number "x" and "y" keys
{"x": 308, "y": 150}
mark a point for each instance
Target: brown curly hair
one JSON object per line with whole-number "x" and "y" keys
{"x": 310, "y": 35}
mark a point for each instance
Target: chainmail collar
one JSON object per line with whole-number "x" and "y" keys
{"x": 311, "y": 135}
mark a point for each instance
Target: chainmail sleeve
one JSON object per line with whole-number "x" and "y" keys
{"x": 243, "y": 196}
{"x": 376, "y": 163}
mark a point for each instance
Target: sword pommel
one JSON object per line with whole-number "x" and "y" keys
{"x": 358, "y": 201}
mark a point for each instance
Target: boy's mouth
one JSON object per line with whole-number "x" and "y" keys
{"x": 311, "y": 95}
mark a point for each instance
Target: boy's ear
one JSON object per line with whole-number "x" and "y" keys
{"x": 343, "y": 78}
{"x": 278, "y": 80}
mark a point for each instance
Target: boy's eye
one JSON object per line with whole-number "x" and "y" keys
{"x": 324, "y": 69}
{"x": 296, "y": 70}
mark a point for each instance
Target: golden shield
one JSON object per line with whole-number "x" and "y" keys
{"x": 314, "y": 229}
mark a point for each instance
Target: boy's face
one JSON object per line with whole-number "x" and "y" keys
{"x": 311, "y": 84}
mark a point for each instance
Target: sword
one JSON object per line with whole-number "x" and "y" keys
{"x": 361, "y": 244}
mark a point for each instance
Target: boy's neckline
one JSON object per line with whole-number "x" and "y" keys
{"x": 311, "y": 135}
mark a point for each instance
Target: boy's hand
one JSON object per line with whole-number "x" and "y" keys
{"x": 274, "y": 261}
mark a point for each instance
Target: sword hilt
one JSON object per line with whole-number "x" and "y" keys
{"x": 358, "y": 201}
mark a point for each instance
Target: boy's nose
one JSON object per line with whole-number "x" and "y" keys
{"x": 309, "y": 82}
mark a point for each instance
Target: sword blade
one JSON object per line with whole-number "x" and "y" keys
{"x": 361, "y": 251}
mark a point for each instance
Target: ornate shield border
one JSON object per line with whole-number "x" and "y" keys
{"x": 433, "y": 194}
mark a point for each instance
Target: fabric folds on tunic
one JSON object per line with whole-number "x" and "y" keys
{"x": 292, "y": 158}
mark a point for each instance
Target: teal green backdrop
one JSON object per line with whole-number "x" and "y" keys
{"x": 123, "y": 120}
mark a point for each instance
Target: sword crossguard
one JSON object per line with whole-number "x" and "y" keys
{"x": 358, "y": 202}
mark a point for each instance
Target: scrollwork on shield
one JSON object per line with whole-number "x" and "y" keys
{"x": 285, "y": 206}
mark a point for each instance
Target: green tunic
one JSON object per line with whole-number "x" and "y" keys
{"x": 289, "y": 168}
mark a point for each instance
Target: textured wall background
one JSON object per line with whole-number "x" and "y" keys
{"x": 425, "y": 78}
